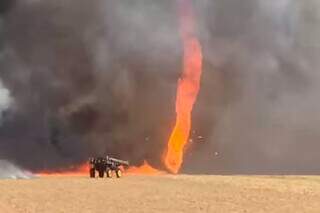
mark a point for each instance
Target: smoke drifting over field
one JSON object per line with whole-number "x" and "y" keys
{"x": 95, "y": 77}
{"x": 10, "y": 171}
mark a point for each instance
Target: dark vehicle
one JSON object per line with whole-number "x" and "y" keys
{"x": 106, "y": 165}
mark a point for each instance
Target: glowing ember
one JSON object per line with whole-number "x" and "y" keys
{"x": 145, "y": 169}
{"x": 188, "y": 88}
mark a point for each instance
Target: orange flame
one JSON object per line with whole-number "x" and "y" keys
{"x": 77, "y": 171}
{"x": 145, "y": 169}
{"x": 83, "y": 170}
{"x": 187, "y": 91}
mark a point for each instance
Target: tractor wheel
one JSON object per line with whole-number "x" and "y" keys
{"x": 109, "y": 173}
{"x": 92, "y": 173}
{"x": 101, "y": 173}
{"x": 118, "y": 173}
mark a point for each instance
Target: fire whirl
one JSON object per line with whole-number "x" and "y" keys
{"x": 187, "y": 92}
{"x": 188, "y": 88}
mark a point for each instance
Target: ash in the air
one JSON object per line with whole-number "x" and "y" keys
{"x": 10, "y": 171}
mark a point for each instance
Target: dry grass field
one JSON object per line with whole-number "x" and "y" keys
{"x": 183, "y": 193}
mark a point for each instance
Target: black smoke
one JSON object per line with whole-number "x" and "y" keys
{"x": 257, "y": 110}
{"x": 99, "y": 77}
{"x": 5, "y": 5}
{"x": 88, "y": 78}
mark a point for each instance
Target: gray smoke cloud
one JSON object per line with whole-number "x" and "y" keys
{"x": 264, "y": 105}
{"x": 11, "y": 171}
{"x": 88, "y": 78}
{"x": 5, "y": 99}
{"x": 97, "y": 77}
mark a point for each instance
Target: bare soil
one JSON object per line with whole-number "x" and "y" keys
{"x": 183, "y": 193}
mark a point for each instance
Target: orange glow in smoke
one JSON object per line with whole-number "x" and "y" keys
{"x": 188, "y": 88}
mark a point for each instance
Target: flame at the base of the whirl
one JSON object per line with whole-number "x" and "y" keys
{"x": 144, "y": 169}
{"x": 188, "y": 88}
{"x": 83, "y": 170}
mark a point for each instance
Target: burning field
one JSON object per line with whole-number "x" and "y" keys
{"x": 174, "y": 87}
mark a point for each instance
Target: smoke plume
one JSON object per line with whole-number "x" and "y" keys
{"x": 262, "y": 61}
{"x": 99, "y": 77}
{"x": 88, "y": 78}
{"x": 10, "y": 171}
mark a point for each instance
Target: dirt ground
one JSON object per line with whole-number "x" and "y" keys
{"x": 183, "y": 193}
